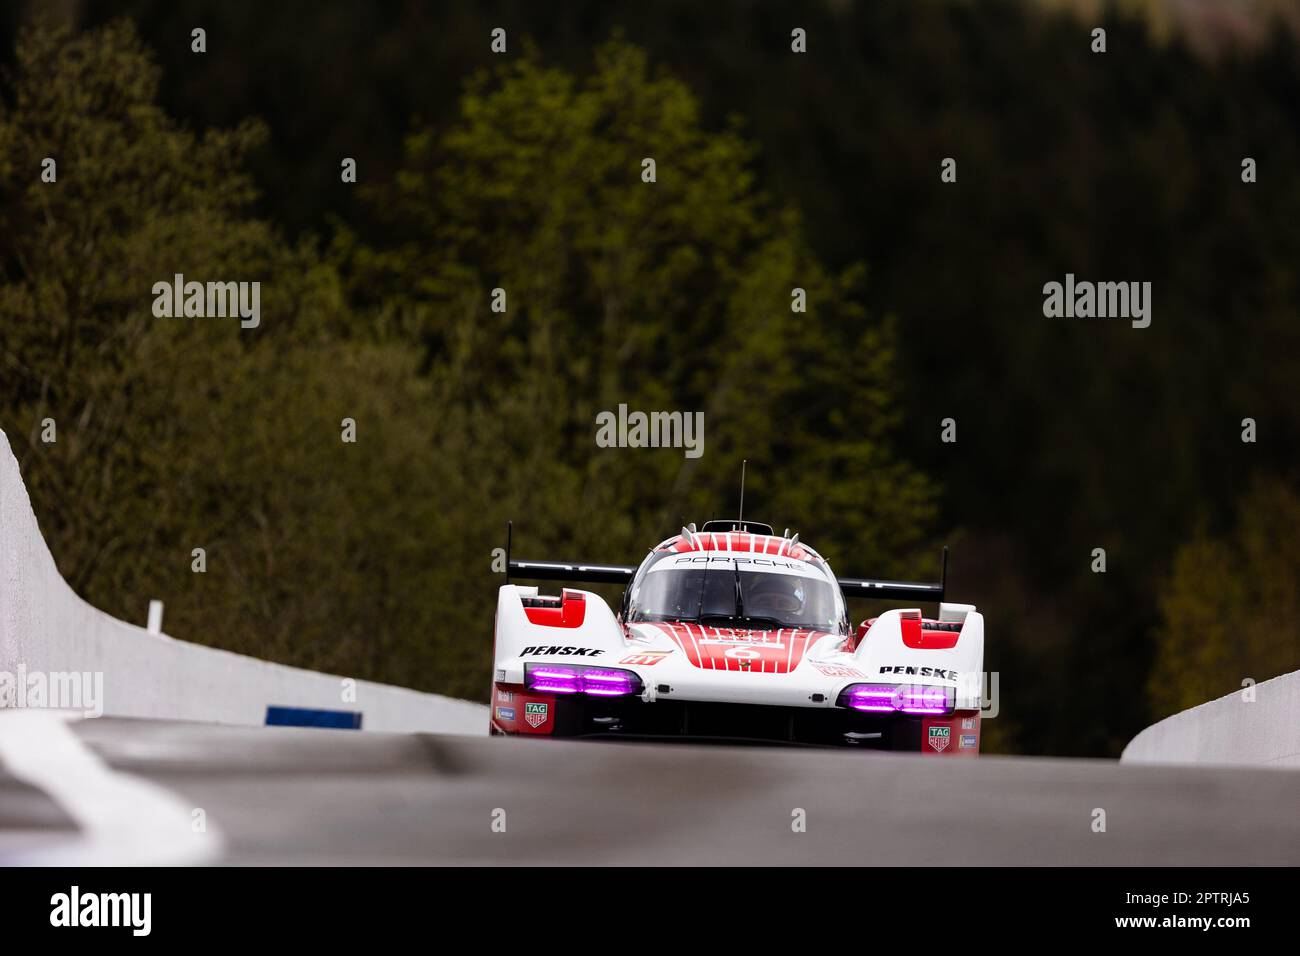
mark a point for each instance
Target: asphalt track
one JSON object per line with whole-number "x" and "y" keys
{"x": 308, "y": 796}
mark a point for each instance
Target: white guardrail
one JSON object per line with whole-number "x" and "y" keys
{"x": 1258, "y": 726}
{"x": 47, "y": 630}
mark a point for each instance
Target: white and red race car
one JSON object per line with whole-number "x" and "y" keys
{"x": 734, "y": 633}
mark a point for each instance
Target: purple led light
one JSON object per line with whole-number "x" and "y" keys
{"x": 553, "y": 679}
{"x": 608, "y": 683}
{"x": 886, "y": 698}
{"x": 554, "y": 687}
{"x": 926, "y": 700}
{"x": 615, "y": 676}
{"x": 594, "y": 681}
{"x": 873, "y": 698}
{"x": 554, "y": 673}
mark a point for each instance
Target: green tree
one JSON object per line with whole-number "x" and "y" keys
{"x": 1230, "y": 610}
{"x": 175, "y": 434}
{"x": 136, "y": 200}
{"x": 673, "y": 294}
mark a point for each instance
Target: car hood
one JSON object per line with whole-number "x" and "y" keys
{"x": 734, "y": 649}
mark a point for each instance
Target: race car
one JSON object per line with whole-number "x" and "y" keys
{"x": 733, "y": 633}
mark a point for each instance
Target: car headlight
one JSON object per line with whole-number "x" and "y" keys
{"x": 902, "y": 698}
{"x": 581, "y": 679}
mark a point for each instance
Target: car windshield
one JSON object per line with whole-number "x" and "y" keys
{"x": 738, "y": 590}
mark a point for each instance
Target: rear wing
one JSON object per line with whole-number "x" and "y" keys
{"x": 570, "y": 571}
{"x": 904, "y": 590}
{"x": 579, "y": 572}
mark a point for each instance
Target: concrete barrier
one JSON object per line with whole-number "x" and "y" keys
{"x": 46, "y": 629}
{"x": 1231, "y": 730}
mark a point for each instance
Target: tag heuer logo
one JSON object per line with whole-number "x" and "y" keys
{"x": 939, "y": 737}
{"x": 535, "y": 714}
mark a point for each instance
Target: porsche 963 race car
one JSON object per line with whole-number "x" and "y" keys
{"x": 734, "y": 633}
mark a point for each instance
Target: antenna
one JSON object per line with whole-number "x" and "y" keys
{"x": 741, "y": 519}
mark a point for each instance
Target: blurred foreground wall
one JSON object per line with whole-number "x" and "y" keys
{"x": 1230, "y": 730}
{"x": 48, "y": 633}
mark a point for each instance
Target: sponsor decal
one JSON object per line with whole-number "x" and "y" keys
{"x": 729, "y": 560}
{"x": 912, "y": 671}
{"x": 554, "y": 650}
{"x": 645, "y": 658}
{"x": 535, "y": 714}
{"x": 838, "y": 670}
{"x": 501, "y": 674}
{"x": 748, "y": 640}
{"x": 505, "y": 697}
{"x": 505, "y": 713}
{"x": 968, "y": 723}
{"x": 707, "y": 647}
{"x": 967, "y": 741}
{"x": 744, "y": 656}
{"x": 939, "y": 737}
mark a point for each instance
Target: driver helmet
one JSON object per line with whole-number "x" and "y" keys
{"x": 776, "y": 592}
